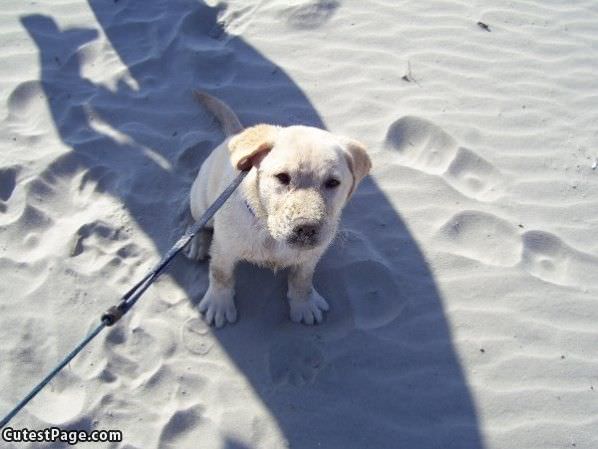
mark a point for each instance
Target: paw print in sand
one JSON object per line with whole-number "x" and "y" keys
{"x": 295, "y": 362}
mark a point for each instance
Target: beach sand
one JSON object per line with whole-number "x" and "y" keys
{"x": 463, "y": 283}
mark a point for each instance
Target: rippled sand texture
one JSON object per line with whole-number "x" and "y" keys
{"x": 463, "y": 284}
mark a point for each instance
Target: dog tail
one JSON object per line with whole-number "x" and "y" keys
{"x": 228, "y": 119}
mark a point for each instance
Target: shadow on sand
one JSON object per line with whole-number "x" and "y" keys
{"x": 381, "y": 372}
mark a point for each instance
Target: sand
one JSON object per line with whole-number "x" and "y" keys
{"x": 464, "y": 281}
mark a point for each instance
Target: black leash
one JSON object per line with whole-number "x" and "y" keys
{"x": 115, "y": 313}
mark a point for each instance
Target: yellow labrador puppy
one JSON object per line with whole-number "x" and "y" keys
{"x": 284, "y": 214}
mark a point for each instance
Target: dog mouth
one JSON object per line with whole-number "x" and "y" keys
{"x": 303, "y": 242}
{"x": 300, "y": 234}
{"x": 304, "y": 234}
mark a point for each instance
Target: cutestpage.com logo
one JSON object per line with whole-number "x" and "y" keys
{"x": 53, "y": 434}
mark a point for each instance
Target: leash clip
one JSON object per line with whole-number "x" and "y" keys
{"x": 114, "y": 313}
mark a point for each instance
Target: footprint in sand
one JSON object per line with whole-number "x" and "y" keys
{"x": 33, "y": 220}
{"x": 426, "y": 147}
{"x": 311, "y": 14}
{"x": 196, "y": 336}
{"x": 547, "y": 257}
{"x": 295, "y": 362}
{"x": 98, "y": 179}
{"x": 136, "y": 352}
{"x": 99, "y": 246}
{"x": 66, "y": 174}
{"x": 96, "y": 234}
{"x": 368, "y": 288}
{"x": 8, "y": 181}
{"x": 494, "y": 241}
{"x": 63, "y": 402}
{"x": 66, "y": 179}
{"x": 481, "y": 236}
{"x": 180, "y": 425}
{"x": 70, "y": 173}
{"x": 27, "y": 109}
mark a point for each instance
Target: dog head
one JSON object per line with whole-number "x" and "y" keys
{"x": 304, "y": 176}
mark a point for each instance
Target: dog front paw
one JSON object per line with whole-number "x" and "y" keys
{"x": 218, "y": 308}
{"x": 310, "y": 310}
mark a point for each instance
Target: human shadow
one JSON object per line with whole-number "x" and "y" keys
{"x": 381, "y": 372}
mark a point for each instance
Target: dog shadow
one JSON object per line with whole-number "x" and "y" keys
{"x": 381, "y": 371}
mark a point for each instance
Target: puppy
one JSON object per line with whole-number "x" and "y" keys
{"x": 284, "y": 214}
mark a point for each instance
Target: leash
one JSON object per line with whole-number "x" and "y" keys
{"x": 115, "y": 313}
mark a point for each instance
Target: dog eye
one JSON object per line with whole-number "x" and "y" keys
{"x": 332, "y": 183}
{"x": 283, "y": 178}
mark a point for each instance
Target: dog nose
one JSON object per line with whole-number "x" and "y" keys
{"x": 305, "y": 231}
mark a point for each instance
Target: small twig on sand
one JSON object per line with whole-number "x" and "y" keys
{"x": 484, "y": 26}
{"x": 408, "y": 76}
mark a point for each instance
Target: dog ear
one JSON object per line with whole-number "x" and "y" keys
{"x": 358, "y": 160}
{"x": 250, "y": 146}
